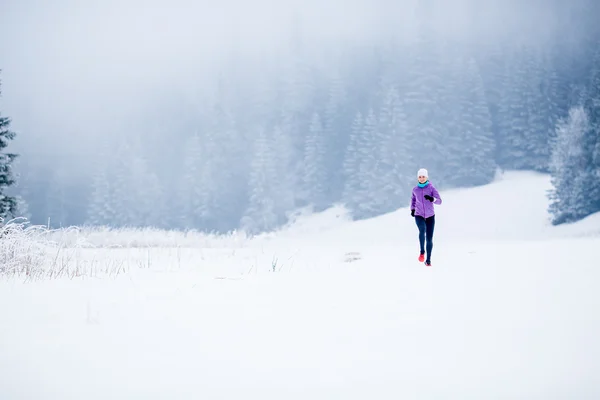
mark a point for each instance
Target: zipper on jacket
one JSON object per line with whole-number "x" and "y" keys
{"x": 423, "y": 200}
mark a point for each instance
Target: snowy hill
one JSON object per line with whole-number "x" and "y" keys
{"x": 326, "y": 309}
{"x": 512, "y": 208}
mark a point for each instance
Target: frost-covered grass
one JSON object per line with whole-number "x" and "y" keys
{"x": 35, "y": 251}
{"x": 23, "y": 249}
{"x": 145, "y": 237}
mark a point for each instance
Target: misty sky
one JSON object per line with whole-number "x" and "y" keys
{"x": 73, "y": 71}
{"x": 70, "y": 66}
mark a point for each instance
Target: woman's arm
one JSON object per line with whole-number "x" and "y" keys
{"x": 436, "y": 196}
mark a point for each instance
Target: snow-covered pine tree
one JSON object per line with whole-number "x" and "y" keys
{"x": 8, "y": 204}
{"x": 569, "y": 197}
{"x": 288, "y": 175}
{"x": 352, "y": 161}
{"x": 528, "y": 111}
{"x": 193, "y": 192}
{"x": 555, "y": 106}
{"x": 101, "y": 210}
{"x": 592, "y": 138}
{"x": 208, "y": 182}
{"x": 452, "y": 99}
{"x": 492, "y": 65}
{"x": 575, "y": 163}
{"x": 296, "y": 102}
{"x": 513, "y": 114}
{"x": 261, "y": 214}
{"x": 122, "y": 197}
{"x": 137, "y": 198}
{"x": 423, "y": 94}
{"x": 365, "y": 202}
{"x": 395, "y": 165}
{"x": 315, "y": 168}
{"x": 20, "y": 190}
{"x": 476, "y": 139}
{"x": 537, "y": 134}
{"x": 147, "y": 195}
{"x": 287, "y": 132}
{"x": 335, "y": 125}
{"x": 572, "y": 52}
{"x": 229, "y": 162}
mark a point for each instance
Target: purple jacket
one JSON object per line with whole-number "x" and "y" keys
{"x": 420, "y": 204}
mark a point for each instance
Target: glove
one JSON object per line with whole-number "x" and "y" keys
{"x": 412, "y": 213}
{"x": 428, "y": 197}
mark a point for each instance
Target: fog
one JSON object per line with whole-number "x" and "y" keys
{"x": 64, "y": 62}
{"x": 77, "y": 76}
{"x": 70, "y": 67}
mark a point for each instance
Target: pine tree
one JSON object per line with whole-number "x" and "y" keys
{"x": 208, "y": 199}
{"x": 575, "y": 163}
{"x": 336, "y": 123}
{"x": 454, "y": 100}
{"x": 538, "y": 133}
{"x": 569, "y": 197}
{"x": 288, "y": 174}
{"x": 137, "y": 198}
{"x": 423, "y": 101}
{"x": 101, "y": 203}
{"x": 493, "y": 72}
{"x": 8, "y": 204}
{"x": 261, "y": 214}
{"x": 395, "y": 162}
{"x": 193, "y": 192}
{"x": 352, "y": 161}
{"x": 365, "y": 200}
{"x": 472, "y": 161}
{"x": 296, "y": 97}
{"x": 528, "y": 111}
{"x": 513, "y": 115}
{"x": 122, "y": 198}
{"x": 315, "y": 173}
{"x": 592, "y": 139}
{"x": 21, "y": 190}
{"x": 146, "y": 194}
{"x": 101, "y": 206}
{"x": 228, "y": 163}
{"x": 555, "y": 106}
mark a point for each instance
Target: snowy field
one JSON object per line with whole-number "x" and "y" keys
{"x": 324, "y": 309}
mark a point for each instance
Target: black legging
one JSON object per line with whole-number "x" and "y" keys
{"x": 426, "y": 227}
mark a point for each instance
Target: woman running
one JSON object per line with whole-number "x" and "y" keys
{"x": 424, "y": 196}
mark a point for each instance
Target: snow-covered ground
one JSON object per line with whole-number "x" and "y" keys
{"x": 324, "y": 309}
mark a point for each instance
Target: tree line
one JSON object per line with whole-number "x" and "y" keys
{"x": 352, "y": 129}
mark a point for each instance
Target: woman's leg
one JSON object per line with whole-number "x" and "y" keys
{"x": 429, "y": 224}
{"x": 422, "y": 228}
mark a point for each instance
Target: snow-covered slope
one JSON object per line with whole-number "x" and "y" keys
{"x": 512, "y": 208}
{"x": 349, "y": 313}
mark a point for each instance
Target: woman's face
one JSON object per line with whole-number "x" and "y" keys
{"x": 422, "y": 179}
